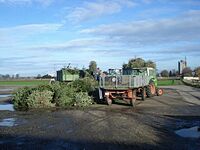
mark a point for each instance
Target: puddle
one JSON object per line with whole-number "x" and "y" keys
{"x": 8, "y": 107}
{"x": 189, "y": 132}
{"x": 5, "y": 95}
{"x": 8, "y": 122}
{"x": 5, "y": 90}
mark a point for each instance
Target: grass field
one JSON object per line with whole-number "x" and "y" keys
{"x": 168, "y": 82}
{"x": 163, "y": 82}
{"x": 23, "y": 82}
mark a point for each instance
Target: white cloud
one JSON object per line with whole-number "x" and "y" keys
{"x": 32, "y": 28}
{"x": 13, "y": 35}
{"x": 91, "y": 10}
{"x": 77, "y": 45}
{"x": 45, "y": 2}
{"x": 182, "y": 28}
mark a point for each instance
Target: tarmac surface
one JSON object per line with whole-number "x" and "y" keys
{"x": 151, "y": 125}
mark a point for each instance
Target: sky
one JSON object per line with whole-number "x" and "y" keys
{"x": 41, "y": 36}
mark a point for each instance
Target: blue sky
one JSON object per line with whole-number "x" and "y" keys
{"x": 40, "y": 36}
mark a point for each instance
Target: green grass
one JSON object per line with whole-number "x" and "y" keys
{"x": 163, "y": 82}
{"x": 23, "y": 82}
{"x": 168, "y": 82}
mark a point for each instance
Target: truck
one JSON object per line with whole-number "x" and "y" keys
{"x": 128, "y": 85}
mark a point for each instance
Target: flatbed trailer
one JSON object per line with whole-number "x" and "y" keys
{"x": 127, "y": 88}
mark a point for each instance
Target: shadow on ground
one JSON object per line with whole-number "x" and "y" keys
{"x": 8, "y": 142}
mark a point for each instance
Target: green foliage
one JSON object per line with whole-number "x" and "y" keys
{"x": 138, "y": 63}
{"x": 40, "y": 99}
{"x": 71, "y": 70}
{"x": 82, "y": 99}
{"x": 20, "y": 98}
{"x": 56, "y": 91}
{"x": 92, "y": 66}
{"x": 59, "y": 94}
{"x": 84, "y": 85}
{"x": 150, "y": 63}
{"x": 87, "y": 74}
{"x": 43, "y": 87}
{"x": 65, "y": 96}
{"x": 37, "y": 97}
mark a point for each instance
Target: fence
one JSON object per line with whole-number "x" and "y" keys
{"x": 123, "y": 81}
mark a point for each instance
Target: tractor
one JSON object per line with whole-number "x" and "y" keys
{"x": 128, "y": 85}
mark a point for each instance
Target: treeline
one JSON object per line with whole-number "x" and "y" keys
{"x": 7, "y": 76}
{"x": 47, "y": 76}
{"x": 186, "y": 72}
{"x": 17, "y": 76}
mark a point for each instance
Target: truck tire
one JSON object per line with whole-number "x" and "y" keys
{"x": 133, "y": 103}
{"x": 109, "y": 101}
{"x": 98, "y": 96}
{"x": 151, "y": 90}
{"x": 133, "y": 100}
{"x": 159, "y": 92}
{"x": 143, "y": 94}
{"x": 148, "y": 91}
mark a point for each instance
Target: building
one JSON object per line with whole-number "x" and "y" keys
{"x": 181, "y": 65}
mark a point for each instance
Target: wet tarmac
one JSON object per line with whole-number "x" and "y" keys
{"x": 8, "y": 107}
{"x": 5, "y": 101}
{"x": 4, "y": 95}
{"x": 156, "y": 123}
{"x": 6, "y": 89}
{"x": 8, "y": 122}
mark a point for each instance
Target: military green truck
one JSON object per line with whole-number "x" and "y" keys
{"x": 130, "y": 84}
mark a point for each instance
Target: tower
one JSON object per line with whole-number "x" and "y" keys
{"x": 181, "y": 65}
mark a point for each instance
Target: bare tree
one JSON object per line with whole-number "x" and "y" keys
{"x": 187, "y": 72}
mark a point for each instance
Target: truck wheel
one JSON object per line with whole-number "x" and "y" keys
{"x": 98, "y": 95}
{"x": 133, "y": 103}
{"x": 109, "y": 101}
{"x": 133, "y": 100}
{"x": 159, "y": 92}
{"x": 143, "y": 94}
{"x": 151, "y": 90}
{"x": 148, "y": 91}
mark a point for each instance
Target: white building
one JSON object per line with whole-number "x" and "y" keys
{"x": 181, "y": 65}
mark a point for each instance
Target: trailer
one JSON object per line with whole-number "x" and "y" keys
{"x": 67, "y": 75}
{"x": 132, "y": 83}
